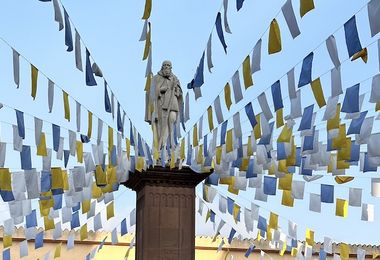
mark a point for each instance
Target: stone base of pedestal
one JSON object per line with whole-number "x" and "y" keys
{"x": 165, "y": 212}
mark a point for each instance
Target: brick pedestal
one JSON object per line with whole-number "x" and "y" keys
{"x": 165, "y": 213}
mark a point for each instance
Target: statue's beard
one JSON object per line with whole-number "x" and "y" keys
{"x": 166, "y": 72}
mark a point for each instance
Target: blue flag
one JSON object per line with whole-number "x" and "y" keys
{"x": 140, "y": 146}
{"x": 327, "y": 193}
{"x": 356, "y": 124}
{"x": 230, "y": 205}
{"x": 250, "y": 173}
{"x": 322, "y": 254}
{"x": 307, "y": 64}
{"x": 123, "y": 227}
{"x": 199, "y": 78}
{"x": 307, "y": 118}
{"x": 131, "y": 137}
{"x": 270, "y": 184}
{"x": 107, "y": 102}
{"x": 281, "y": 153}
{"x": 355, "y": 152}
{"x": 45, "y": 181}
{"x": 351, "y": 100}
{"x": 231, "y": 236}
{"x": 368, "y": 167}
{"x": 26, "y": 160}
{"x": 119, "y": 122}
{"x": 219, "y": 30}
{"x": 68, "y": 34}
{"x": 249, "y": 251}
{"x": 7, "y": 254}
{"x": 250, "y": 114}
{"x": 20, "y": 123}
{"x": 57, "y": 201}
{"x": 262, "y": 223}
{"x": 31, "y": 219}
{"x": 213, "y": 179}
{"x": 75, "y": 220}
{"x": 56, "y": 136}
{"x": 276, "y": 95}
{"x": 239, "y": 4}
{"x": 66, "y": 156}
{"x": 90, "y": 79}
{"x": 352, "y": 37}
{"x": 39, "y": 240}
{"x": 223, "y": 133}
{"x": 205, "y": 152}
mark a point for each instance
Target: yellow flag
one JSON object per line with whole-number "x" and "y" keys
{"x": 110, "y": 210}
{"x": 56, "y": 178}
{"x": 249, "y": 146}
{"x": 340, "y": 141}
{"x": 343, "y": 179}
{"x": 148, "y": 82}
{"x": 7, "y": 241}
{"x": 279, "y": 118}
{"x": 229, "y": 142}
{"x": 208, "y": 215}
{"x": 200, "y": 155}
{"x": 100, "y": 176}
{"x": 316, "y": 86}
{"x": 285, "y": 136}
{"x": 333, "y": 123}
{"x": 147, "y": 9}
{"x": 236, "y": 211}
{"x": 291, "y": 160}
{"x": 283, "y": 249}
{"x": 128, "y": 147}
{"x": 57, "y": 251}
{"x": 173, "y": 159}
{"x": 306, "y": 6}
{"x": 182, "y": 149}
{"x": 377, "y": 107}
{"x": 210, "y": 119}
{"x": 65, "y": 180}
{"x": 309, "y": 237}
{"x": 110, "y": 139}
{"x": 231, "y": 187}
{"x": 66, "y": 105}
{"x": 273, "y": 220}
{"x": 294, "y": 251}
{"x": 140, "y": 164}
{"x": 247, "y": 72}
{"x": 244, "y": 164}
{"x": 341, "y": 209}
{"x": 80, "y": 151}
{"x": 285, "y": 183}
{"x": 83, "y": 232}
{"x": 96, "y": 192}
{"x": 227, "y": 95}
{"x": 89, "y": 130}
{"x": 287, "y": 198}
{"x": 147, "y": 42}
{"x": 41, "y": 148}
{"x": 5, "y": 180}
{"x": 361, "y": 54}
{"x": 218, "y": 155}
{"x": 344, "y": 251}
{"x": 345, "y": 152}
{"x": 274, "y": 42}
{"x": 257, "y": 128}
{"x": 86, "y": 204}
{"x": 195, "y": 136}
{"x": 282, "y": 166}
{"x": 34, "y": 81}
{"x": 49, "y": 223}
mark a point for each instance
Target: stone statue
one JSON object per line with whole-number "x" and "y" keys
{"x": 164, "y": 107}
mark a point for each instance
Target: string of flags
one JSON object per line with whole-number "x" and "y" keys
{"x": 274, "y": 42}
{"x": 91, "y": 68}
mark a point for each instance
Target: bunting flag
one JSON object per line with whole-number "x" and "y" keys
{"x": 199, "y": 78}
{"x": 307, "y": 65}
{"x": 66, "y": 105}
{"x": 210, "y": 119}
{"x": 373, "y": 8}
{"x": 316, "y": 86}
{"x": 50, "y": 95}
{"x": 148, "y": 42}
{"x": 290, "y": 18}
{"x": 226, "y": 25}
{"x": 16, "y": 68}
{"x": 89, "y": 129}
{"x": 219, "y": 30}
{"x": 78, "y": 52}
{"x": 256, "y": 57}
{"x": 90, "y": 79}
{"x": 239, "y": 4}
{"x": 306, "y": 6}
{"x": 333, "y": 50}
{"x": 277, "y": 97}
{"x": 147, "y": 9}
{"x": 274, "y": 41}
{"x": 68, "y": 34}
{"x": 58, "y": 14}
{"x": 238, "y": 95}
{"x": 247, "y": 73}
{"x": 354, "y": 46}
{"x": 34, "y": 76}
{"x": 210, "y": 65}
{"x": 227, "y": 95}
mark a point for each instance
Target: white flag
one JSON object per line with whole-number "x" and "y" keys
{"x": 333, "y": 50}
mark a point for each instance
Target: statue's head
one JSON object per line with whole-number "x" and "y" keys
{"x": 166, "y": 68}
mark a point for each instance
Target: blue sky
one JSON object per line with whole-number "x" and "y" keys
{"x": 180, "y": 30}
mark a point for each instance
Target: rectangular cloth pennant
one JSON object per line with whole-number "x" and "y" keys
{"x": 291, "y": 84}
{"x": 227, "y": 95}
{"x": 238, "y": 95}
{"x": 247, "y": 73}
{"x": 327, "y": 193}
{"x": 226, "y": 25}
{"x": 264, "y": 106}
{"x": 306, "y": 71}
{"x": 219, "y": 30}
{"x": 66, "y": 105}
{"x": 50, "y": 95}
{"x": 368, "y": 212}
{"x": 34, "y": 78}
{"x": 68, "y": 34}
{"x": 147, "y": 9}
{"x": 78, "y": 53}
{"x": 199, "y": 77}
{"x": 373, "y": 8}
{"x": 276, "y": 95}
{"x": 333, "y": 50}
{"x": 316, "y": 86}
{"x": 274, "y": 41}
{"x": 306, "y": 121}
{"x": 352, "y": 37}
{"x": 256, "y": 57}
{"x": 58, "y": 15}
{"x": 17, "y": 140}
{"x": 306, "y": 6}
{"x": 290, "y": 18}
{"x": 16, "y": 68}
{"x": 78, "y": 115}
{"x": 20, "y": 123}
{"x": 218, "y": 110}
{"x": 250, "y": 114}
{"x": 351, "y": 100}
{"x": 90, "y": 79}
{"x": 210, "y": 118}
{"x": 209, "y": 54}
{"x": 25, "y": 157}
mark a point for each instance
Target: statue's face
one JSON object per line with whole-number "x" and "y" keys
{"x": 166, "y": 68}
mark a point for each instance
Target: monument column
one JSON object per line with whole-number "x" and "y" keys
{"x": 165, "y": 212}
